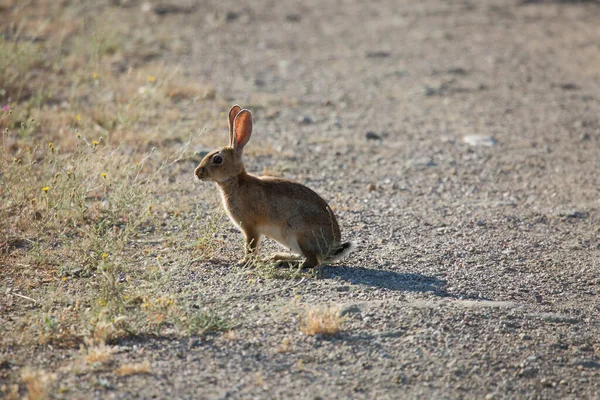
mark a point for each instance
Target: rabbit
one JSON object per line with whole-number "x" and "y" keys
{"x": 286, "y": 211}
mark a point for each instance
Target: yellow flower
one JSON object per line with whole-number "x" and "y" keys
{"x": 95, "y": 75}
{"x": 104, "y": 175}
{"x": 151, "y": 78}
{"x": 95, "y": 142}
{"x": 45, "y": 189}
{"x": 64, "y": 279}
{"x": 104, "y": 256}
{"x": 51, "y": 146}
{"x": 78, "y": 117}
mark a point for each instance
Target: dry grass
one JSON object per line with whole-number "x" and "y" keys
{"x": 92, "y": 135}
{"x": 230, "y": 335}
{"x": 96, "y": 352}
{"x": 133, "y": 369}
{"x": 322, "y": 321}
{"x": 260, "y": 380}
{"x": 37, "y": 382}
{"x": 9, "y": 392}
{"x": 285, "y": 346}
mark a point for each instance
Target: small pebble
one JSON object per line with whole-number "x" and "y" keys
{"x": 305, "y": 120}
{"x": 372, "y": 136}
{"x": 293, "y": 17}
{"x": 479, "y": 140}
{"x": 377, "y": 54}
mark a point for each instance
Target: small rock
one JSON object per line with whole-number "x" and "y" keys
{"x": 546, "y": 383}
{"x": 480, "y": 223}
{"x": 571, "y": 214}
{"x": 457, "y": 71}
{"x": 504, "y": 203}
{"x": 420, "y": 163}
{"x": 372, "y": 136}
{"x": 429, "y": 91}
{"x": 305, "y": 120}
{"x": 293, "y": 17}
{"x": 350, "y": 309}
{"x": 371, "y": 187}
{"x": 343, "y": 288}
{"x": 164, "y": 9}
{"x": 568, "y": 86}
{"x": 479, "y": 140}
{"x": 377, "y": 54}
{"x": 231, "y": 16}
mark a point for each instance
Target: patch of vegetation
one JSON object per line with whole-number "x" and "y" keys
{"x": 133, "y": 369}
{"x": 84, "y": 165}
{"x": 325, "y": 321}
{"x": 205, "y": 322}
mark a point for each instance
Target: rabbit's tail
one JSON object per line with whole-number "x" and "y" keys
{"x": 342, "y": 251}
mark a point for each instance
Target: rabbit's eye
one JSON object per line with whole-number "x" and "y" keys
{"x": 217, "y": 159}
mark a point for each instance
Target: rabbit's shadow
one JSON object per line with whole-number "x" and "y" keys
{"x": 397, "y": 281}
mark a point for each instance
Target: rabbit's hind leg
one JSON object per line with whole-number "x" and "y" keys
{"x": 285, "y": 260}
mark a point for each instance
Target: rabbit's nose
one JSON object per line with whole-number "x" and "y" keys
{"x": 199, "y": 172}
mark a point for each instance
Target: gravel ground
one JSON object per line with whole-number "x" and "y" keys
{"x": 458, "y": 143}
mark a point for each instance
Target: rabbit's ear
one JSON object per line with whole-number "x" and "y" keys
{"x": 242, "y": 129}
{"x": 232, "y": 113}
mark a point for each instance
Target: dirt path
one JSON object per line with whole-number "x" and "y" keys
{"x": 477, "y": 273}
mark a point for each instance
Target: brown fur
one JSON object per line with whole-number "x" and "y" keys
{"x": 286, "y": 211}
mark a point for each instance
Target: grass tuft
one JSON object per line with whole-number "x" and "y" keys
{"x": 133, "y": 369}
{"x": 96, "y": 352}
{"x": 37, "y": 383}
{"x": 206, "y": 322}
{"x": 325, "y": 321}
